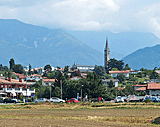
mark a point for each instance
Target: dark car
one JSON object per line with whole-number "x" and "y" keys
{"x": 9, "y": 100}
{"x": 97, "y": 100}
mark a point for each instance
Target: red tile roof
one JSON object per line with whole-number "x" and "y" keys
{"x": 120, "y": 88}
{"x": 141, "y": 88}
{"x": 118, "y": 72}
{"x": 153, "y": 85}
{"x": 48, "y": 80}
{"x": 13, "y": 81}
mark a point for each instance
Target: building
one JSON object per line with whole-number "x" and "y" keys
{"x": 106, "y": 81}
{"x": 14, "y": 88}
{"x": 34, "y": 78}
{"x": 83, "y": 68}
{"x": 115, "y": 73}
{"x": 152, "y": 88}
{"x": 106, "y": 54}
{"x": 49, "y": 82}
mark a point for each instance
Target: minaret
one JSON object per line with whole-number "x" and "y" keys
{"x": 106, "y": 54}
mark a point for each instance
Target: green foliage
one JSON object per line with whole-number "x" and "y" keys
{"x": 99, "y": 70}
{"x": 51, "y": 75}
{"x": 21, "y": 97}
{"x": 139, "y": 75}
{"x": 147, "y": 101}
{"x": 11, "y": 62}
{"x": 154, "y": 74}
{"x": 114, "y": 69}
{"x": 107, "y": 76}
{"x": 127, "y": 67}
{"x": 18, "y": 68}
{"x": 113, "y": 63}
{"x": 121, "y": 78}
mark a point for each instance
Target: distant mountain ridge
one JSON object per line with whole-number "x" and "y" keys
{"x": 121, "y": 44}
{"x": 38, "y": 46}
{"x": 148, "y": 57}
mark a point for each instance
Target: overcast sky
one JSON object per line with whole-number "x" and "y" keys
{"x": 113, "y": 15}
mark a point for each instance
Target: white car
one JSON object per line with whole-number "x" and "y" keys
{"x": 119, "y": 99}
{"x": 56, "y": 100}
{"x": 41, "y": 100}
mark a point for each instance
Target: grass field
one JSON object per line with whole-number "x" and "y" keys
{"x": 79, "y": 115}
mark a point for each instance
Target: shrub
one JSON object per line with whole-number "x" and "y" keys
{"x": 147, "y": 100}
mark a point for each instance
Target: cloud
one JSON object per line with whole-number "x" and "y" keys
{"x": 114, "y": 15}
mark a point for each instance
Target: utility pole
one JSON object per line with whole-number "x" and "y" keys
{"x": 26, "y": 81}
{"x": 81, "y": 92}
{"x": 61, "y": 88}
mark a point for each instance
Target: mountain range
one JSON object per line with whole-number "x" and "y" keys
{"x": 121, "y": 44}
{"x": 148, "y": 57}
{"x": 39, "y": 46}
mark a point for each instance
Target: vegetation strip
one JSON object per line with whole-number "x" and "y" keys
{"x": 133, "y": 120}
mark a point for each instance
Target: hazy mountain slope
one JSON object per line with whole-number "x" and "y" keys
{"x": 121, "y": 44}
{"x": 148, "y": 57}
{"x": 40, "y": 46}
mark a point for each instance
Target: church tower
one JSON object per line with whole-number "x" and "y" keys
{"x": 106, "y": 54}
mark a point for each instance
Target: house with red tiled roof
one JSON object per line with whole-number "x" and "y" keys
{"x": 46, "y": 82}
{"x": 152, "y": 87}
{"x": 140, "y": 87}
{"x": 34, "y": 78}
{"x": 14, "y": 88}
{"x": 115, "y": 73}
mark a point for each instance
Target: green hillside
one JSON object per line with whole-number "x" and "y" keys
{"x": 38, "y": 46}
{"x": 148, "y": 57}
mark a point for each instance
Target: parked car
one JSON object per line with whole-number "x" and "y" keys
{"x": 56, "y": 100}
{"x": 119, "y": 99}
{"x": 17, "y": 100}
{"x": 153, "y": 99}
{"x": 72, "y": 100}
{"x": 97, "y": 100}
{"x": 9, "y": 100}
{"x": 41, "y": 100}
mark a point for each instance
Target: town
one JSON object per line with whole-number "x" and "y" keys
{"x": 113, "y": 82}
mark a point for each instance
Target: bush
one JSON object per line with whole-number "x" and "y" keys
{"x": 147, "y": 100}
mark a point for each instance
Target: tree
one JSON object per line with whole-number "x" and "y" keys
{"x": 110, "y": 84}
{"x": 154, "y": 74}
{"x": 66, "y": 68}
{"x": 100, "y": 71}
{"x": 114, "y": 69}
{"x": 18, "y": 68}
{"x": 11, "y": 62}
{"x": 113, "y": 63}
{"x": 47, "y": 69}
{"x": 127, "y": 67}
{"x": 120, "y": 77}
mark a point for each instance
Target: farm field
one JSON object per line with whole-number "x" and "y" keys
{"x": 38, "y": 115}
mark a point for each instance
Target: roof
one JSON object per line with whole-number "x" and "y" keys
{"x": 141, "y": 88}
{"x": 119, "y": 72}
{"x": 48, "y": 80}
{"x": 13, "y": 81}
{"x": 120, "y": 88}
{"x": 153, "y": 85}
{"x": 35, "y": 75}
{"x": 141, "y": 85}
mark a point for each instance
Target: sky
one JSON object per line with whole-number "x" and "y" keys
{"x": 88, "y": 15}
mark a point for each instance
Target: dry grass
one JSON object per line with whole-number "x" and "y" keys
{"x": 83, "y": 114}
